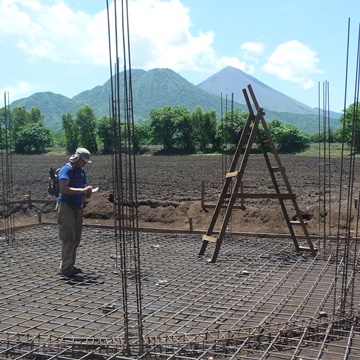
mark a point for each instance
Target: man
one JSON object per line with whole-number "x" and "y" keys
{"x": 73, "y": 187}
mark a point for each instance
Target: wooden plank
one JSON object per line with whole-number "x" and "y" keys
{"x": 297, "y": 222}
{"x": 211, "y": 206}
{"x": 29, "y": 201}
{"x": 263, "y": 196}
{"x": 305, "y": 248}
{"x": 232, "y": 174}
{"x": 210, "y": 238}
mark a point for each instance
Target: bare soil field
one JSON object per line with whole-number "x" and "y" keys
{"x": 170, "y": 191}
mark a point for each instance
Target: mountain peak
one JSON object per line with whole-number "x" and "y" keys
{"x": 231, "y": 80}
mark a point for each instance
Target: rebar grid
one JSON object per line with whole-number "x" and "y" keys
{"x": 261, "y": 300}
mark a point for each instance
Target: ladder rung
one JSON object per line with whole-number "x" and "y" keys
{"x": 232, "y": 174}
{"x": 263, "y": 196}
{"x": 275, "y": 169}
{"x": 297, "y": 222}
{"x": 209, "y": 238}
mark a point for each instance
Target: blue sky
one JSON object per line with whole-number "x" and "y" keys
{"x": 291, "y": 45}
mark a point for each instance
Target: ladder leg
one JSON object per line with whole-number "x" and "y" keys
{"x": 203, "y": 247}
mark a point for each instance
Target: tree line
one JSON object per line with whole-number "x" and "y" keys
{"x": 176, "y": 129}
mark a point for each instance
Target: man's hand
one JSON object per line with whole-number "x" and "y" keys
{"x": 88, "y": 191}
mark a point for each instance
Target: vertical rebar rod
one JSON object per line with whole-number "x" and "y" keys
{"x": 125, "y": 186}
{"x": 324, "y": 166}
{"x": 134, "y": 200}
{"x": 352, "y": 261}
{"x": 6, "y": 171}
{"x": 329, "y": 140}
{"x": 347, "y": 250}
{"x": 325, "y": 173}
{"x": 319, "y": 157}
{"x": 338, "y": 240}
{"x": 223, "y": 169}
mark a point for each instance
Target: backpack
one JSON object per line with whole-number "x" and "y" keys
{"x": 54, "y": 186}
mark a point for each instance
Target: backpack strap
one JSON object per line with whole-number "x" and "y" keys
{"x": 73, "y": 170}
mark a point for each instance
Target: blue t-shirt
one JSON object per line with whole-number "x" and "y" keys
{"x": 77, "y": 179}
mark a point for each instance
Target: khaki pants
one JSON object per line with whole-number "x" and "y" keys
{"x": 69, "y": 219}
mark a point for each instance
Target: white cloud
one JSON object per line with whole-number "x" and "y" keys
{"x": 295, "y": 62}
{"x": 253, "y": 47}
{"x": 161, "y": 37}
{"x": 22, "y": 89}
{"x": 51, "y": 31}
{"x": 159, "y": 33}
{"x": 251, "y": 53}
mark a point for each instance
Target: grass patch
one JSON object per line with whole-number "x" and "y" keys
{"x": 334, "y": 149}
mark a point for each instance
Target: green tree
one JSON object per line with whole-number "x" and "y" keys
{"x": 33, "y": 137}
{"x": 35, "y": 116}
{"x": 142, "y": 135}
{"x": 59, "y": 140}
{"x": 204, "y": 126}
{"x": 184, "y": 135}
{"x": 18, "y": 118}
{"x": 350, "y": 129}
{"x": 2, "y": 135}
{"x": 197, "y": 118}
{"x": 71, "y": 132}
{"x": 288, "y": 138}
{"x": 331, "y": 137}
{"x": 105, "y": 132}
{"x": 86, "y": 124}
{"x": 163, "y": 128}
{"x": 4, "y": 128}
{"x": 28, "y": 132}
{"x": 231, "y": 126}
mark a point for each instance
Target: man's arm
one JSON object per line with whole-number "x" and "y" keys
{"x": 67, "y": 190}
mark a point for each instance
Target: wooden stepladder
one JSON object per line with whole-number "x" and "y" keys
{"x": 233, "y": 179}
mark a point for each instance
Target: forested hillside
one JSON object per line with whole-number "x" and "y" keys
{"x": 156, "y": 88}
